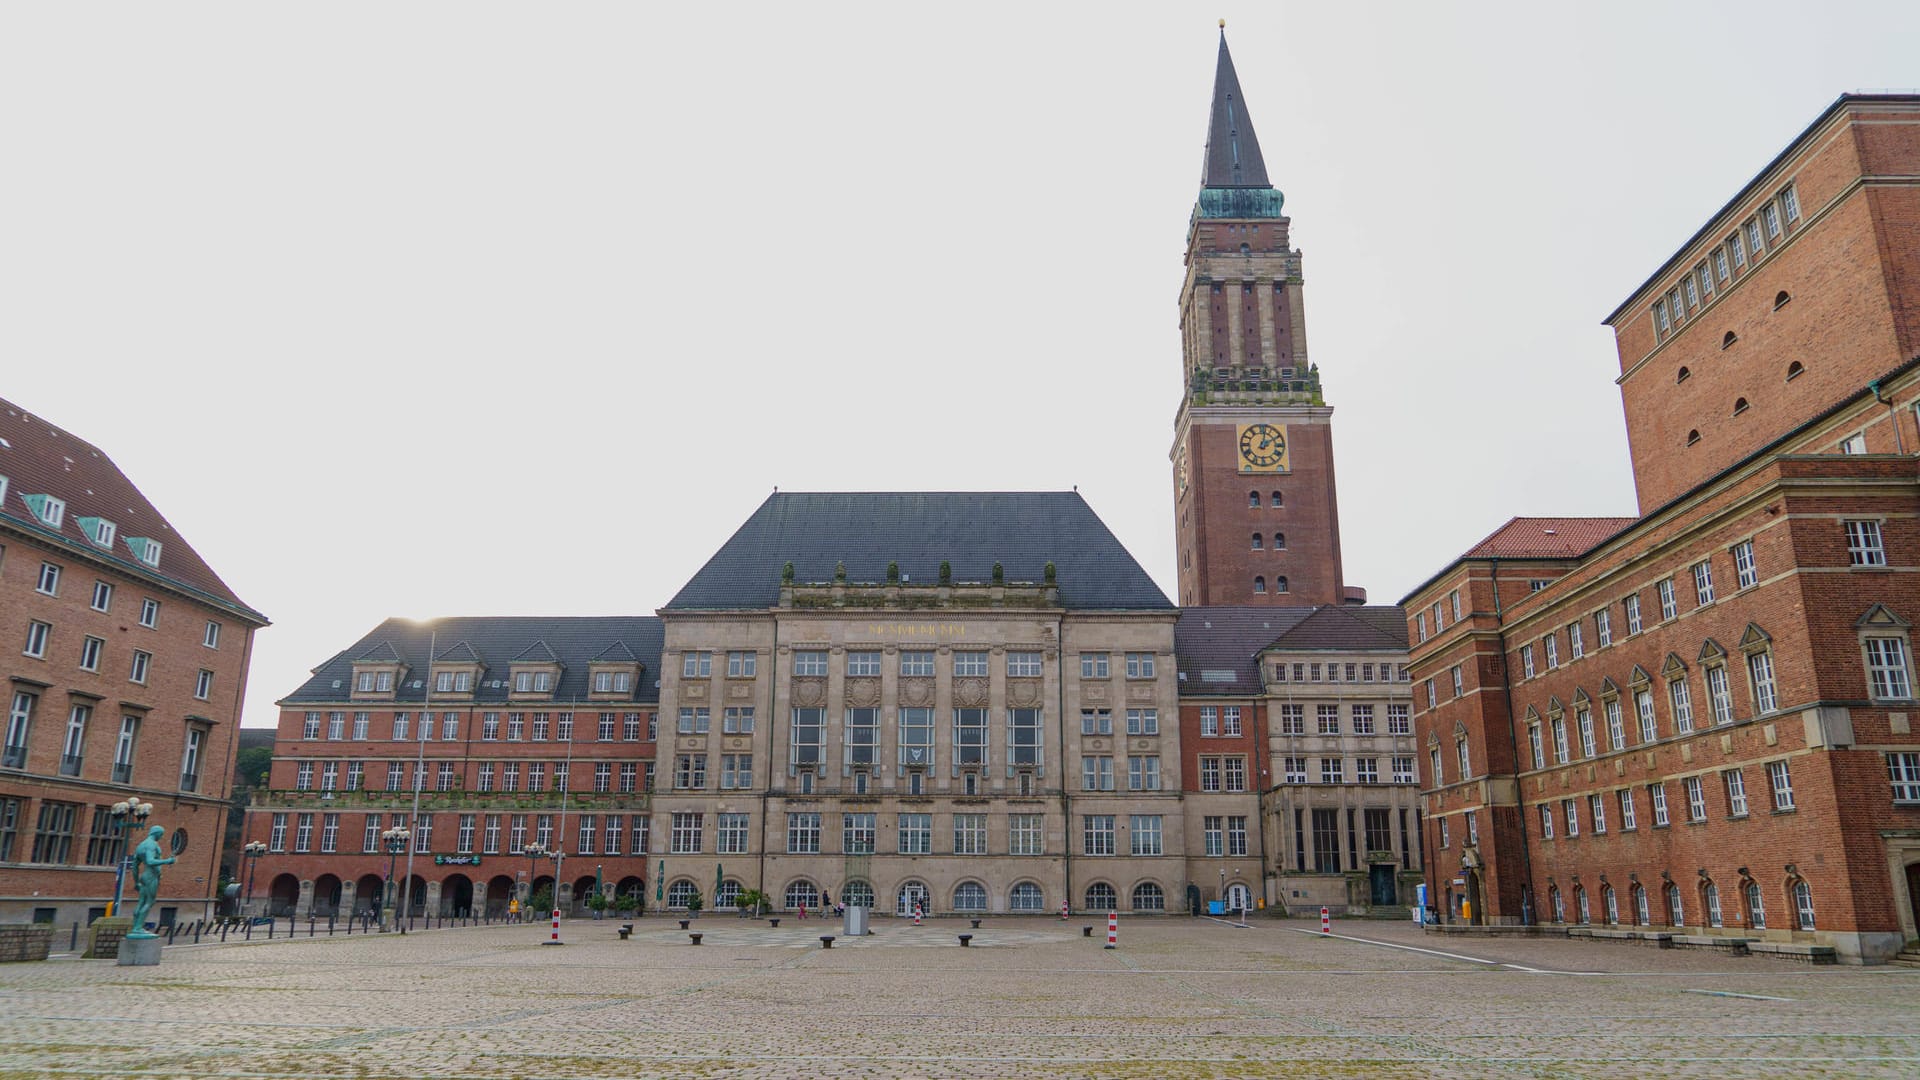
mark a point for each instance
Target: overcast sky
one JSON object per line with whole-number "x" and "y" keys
{"x": 414, "y": 309}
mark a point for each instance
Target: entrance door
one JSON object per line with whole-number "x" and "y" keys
{"x": 1913, "y": 891}
{"x": 910, "y": 894}
{"x": 1193, "y": 899}
{"x": 1381, "y": 879}
{"x": 1239, "y": 898}
{"x": 1474, "y": 915}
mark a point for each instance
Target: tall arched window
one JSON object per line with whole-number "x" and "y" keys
{"x": 1147, "y": 896}
{"x": 1259, "y": 584}
{"x": 1802, "y": 904}
{"x": 1276, "y": 499}
{"x": 1253, "y": 498}
{"x": 1280, "y": 584}
{"x": 1279, "y": 541}
{"x": 801, "y": 893}
{"x": 969, "y": 896}
{"x": 1101, "y": 897}
{"x": 1256, "y": 541}
{"x": 1710, "y": 896}
{"x": 1756, "y": 906}
{"x": 1676, "y": 909}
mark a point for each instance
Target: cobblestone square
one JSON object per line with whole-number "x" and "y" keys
{"x": 1031, "y": 997}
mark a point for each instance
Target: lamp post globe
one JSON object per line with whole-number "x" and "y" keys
{"x": 127, "y": 811}
{"x": 252, "y": 852}
{"x": 395, "y": 841}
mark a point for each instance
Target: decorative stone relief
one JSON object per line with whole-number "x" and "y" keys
{"x": 740, "y": 691}
{"x": 1142, "y": 693}
{"x": 810, "y": 692}
{"x": 970, "y": 692}
{"x": 694, "y": 691}
{"x": 863, "y": 692}
{"x": 1094, "y": 693}
{"x": 1023, "y": 693}
{"x": 916, "y": 693}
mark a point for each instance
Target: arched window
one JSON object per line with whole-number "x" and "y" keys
{"x": 912, "y": 894}
{"x": 1693, "y": 436}
{"x": 1025, "y": 897}
{"x": 1802, "y": 903}
{"x": 1276, "y": 499}
{"x": 969, "y": 896}
{"x": 1256, "y": 541}
{"x": 1280, "y": 584}
{"x": 1148, "y": 897}
{"x": 1246, "y": 250}
{"x": 1780, "y": 300}
{"x": 801, "y": 893}
{"x": 727, "y": 895}
{"x": 1580, "y": 904}
{"x": 1559, "y": 906}
{"x": 680, "y": 892}
{"x": 1612, "y": 902}
{"x": 1676, "y": 910}
{"x": 1794, "y": 370}
{"x": 1727, "y": 342}
{"x": 1710, "y": 896}
{"x": 1641, "y": 916}
{"x": 1101, "y": 897}
{"x": 1739, "y": 406}
{"x": 1683, "y": 375}
{"x": 1279, "y": 541}
{"x": 857, "y": 893}
{"x": 1259, "y": 584}
{"x": 1253, "y": 498}
{"x": 1756, "y": 906}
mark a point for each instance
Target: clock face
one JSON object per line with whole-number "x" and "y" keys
{"x": 1263, "y": 448}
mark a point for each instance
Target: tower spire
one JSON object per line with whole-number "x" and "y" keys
{"x": 1233, "y": 151}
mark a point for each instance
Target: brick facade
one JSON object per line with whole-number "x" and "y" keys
{"x": 1672, "y": 723}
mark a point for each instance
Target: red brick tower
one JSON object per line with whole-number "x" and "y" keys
{"x": 1253, "y": 443}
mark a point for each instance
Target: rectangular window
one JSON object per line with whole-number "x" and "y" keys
{"x": 1682, "y": 699}
{"x": 970, "y": 736}
{"x": 863, "y": 662}
{"x": 1790, "y": 204}
{"x": 1720, "y": 269}
{"x": 303, "y": 776}
{"x": 969, "y": 834}
{"x": 1209, "y": 774}
{"x": 1230, "y": 720}
{"x": 277, "y": 835}
{"x": 809, "y": 662}
{"x": 203, "y": 685}
{"x": 1597, "y": 810}
{"x": 857, "y": 833}
{"x": 211, "y": 639}
{"x": 1327, "y": 719}
{"x": 1660, "y": 321}
{"x": 916, "y": 663}
{"x": 1627, "y": 822}
{"x": 1209, "y": 720}
{"x": 1864, "y": 547}
{"x": 1403, "y": 770}
{"x": 49, "y": 581}
{"x": 1144, "y": 832}
{"x": 1643, "y": 711}
{"x": 303, "y": 833}
{"x": 1097, "y": 834}
{"x": 1546, "y": 822}
{"x": 1657, "y": 797}
{"x": 736, "y": 772}
{"x": 1782, "y": 783}
{"x": 1026, "y": 834}
{"x": 1213, "y": 832}
{"x": 1668, "y": 609}
{"x": 1332, "y": 770}
{"x": 1736, "y": 793}
{"x": 1745, "y": 575}
{"x": 1536, "y": 746}
{"x": 969, "y": 664}
{"x": 696, "y": 665}
{"x": 37, "y": 634}
{"x": 1560, "y": 752}
{"x": 1362, "y": 716}
{"x": 1616, "y": 726}
{"x": 1703, "y": 582}
{"x": 1603, "y": 627}
{"x": 1526, "y": 661}
{"x": 1095, "y": 665}
{"x": 1459, "y": 682}
{"x": 1760, "y": 672}
{"x": 1293, "y": 719}
{"x": 1366, "y": 770}
{"x": 916, "y": 737}
{"x": 1903, "y": 769}
{"x": 741, "y": 664}
{"x": 1023, "y": 738}
{"x": 731, "y": 834}
{"x": 1696, "y": 799}
{"x": 1754, "y": 241}
{"x": 1552, "y": 645}
{"x": 1096, "y": 721}
{"x": 1326, "y": 841}
{"x": 1096, "y": 773}
{"x": 1576, "y": 645}
{"x": 1632, "y": 607}
{"x": 102, "y": 596}
{"x": 1143, "y": 721}
{"x": 1399, "y": 719}
{"x": 1720, "y": 694}
{"x": 1023, "y": 665}
{"x": 1139, "y": 665}
{"x": 1583, "y": 719}
{"x": 1466, "y": 761}
{"x": 803, "y": 833}
{"x": 1143, "y": 772}
{"x": 687, "y": 829}
{"x": 690, "y": 771}
{"x": 90, "y": 650}
{"x": 1887, "y": 676}
{"x": 1296, "y": 770}
{"x": 1572, "y": 810}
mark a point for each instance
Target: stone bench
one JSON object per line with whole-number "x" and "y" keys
{"x": 1794, "y": 950}
{"x": 1738, "y": 946}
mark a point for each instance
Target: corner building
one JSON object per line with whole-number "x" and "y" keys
{"x": 125, "y": 672}
{"x": 1699, "y": 721}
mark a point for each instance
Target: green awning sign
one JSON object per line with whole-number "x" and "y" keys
{"x": 456, "y": 860}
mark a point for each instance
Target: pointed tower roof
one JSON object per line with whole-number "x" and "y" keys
{"x": 1233, "y": 152}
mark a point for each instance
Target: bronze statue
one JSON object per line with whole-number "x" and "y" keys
{"x": 147, "y": 861}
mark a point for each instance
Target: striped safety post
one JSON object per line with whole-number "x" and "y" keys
{"x": 916, "y": 914}
{"x": 1063, "y": 911}
{"x": 1113, "y": 929}
{"x": 1326, "y": 921}
{"x": 555, "y": 939}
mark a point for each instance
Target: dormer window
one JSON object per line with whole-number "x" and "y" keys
{"x": 611, "y": 682}
{"x": 98, "y": 530}
{"x": 453, "y": 682}
{"x": 50, "y": 510}
{"x": 532, "y": 682}
{"x": 147, "y": 551}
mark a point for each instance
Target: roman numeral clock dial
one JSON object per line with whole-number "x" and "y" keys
{"x": 1263, "y": 448}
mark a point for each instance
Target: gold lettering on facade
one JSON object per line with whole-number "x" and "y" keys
{"x": 926, "y": 630}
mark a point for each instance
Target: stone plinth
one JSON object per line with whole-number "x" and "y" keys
{"x": 25, "y": 941}
{"x": 139, "y": 951}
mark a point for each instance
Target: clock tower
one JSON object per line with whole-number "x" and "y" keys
{"x": 1252, "y": 452}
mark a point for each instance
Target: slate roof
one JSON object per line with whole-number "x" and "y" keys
{"x": 380, "y": 652}
{"x": 1547, "y": 537}
{"x": 40, "y": 459}
{"x": 494, "y": 641}
{"x": 1233, "y": 151}
{"x": 1022, "y": 530}
{"x": 1217, "y": 649}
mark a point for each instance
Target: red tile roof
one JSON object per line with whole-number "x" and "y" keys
{"x": 40, "y": 459}
{"x": 1547, "y": 537}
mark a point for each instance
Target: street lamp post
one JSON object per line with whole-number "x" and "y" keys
{"x": 534, "y": 853}
{"x": 395, "y": 841}
{"x": 131, "y": 810}
{"x": 252, "y": 853}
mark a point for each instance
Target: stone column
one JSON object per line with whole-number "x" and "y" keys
{"x": 432, "y": 905}
{"x": 303, "y": 905}
{"x": 479, "y": 897}
{"x": 1235, "y": 354}
{"x": 1263, "y": 300}
{"x": 1203, "y": 329}
{"x": 349, "y": 890}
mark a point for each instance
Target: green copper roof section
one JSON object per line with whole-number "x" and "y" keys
{"x": 1239, "y": 203}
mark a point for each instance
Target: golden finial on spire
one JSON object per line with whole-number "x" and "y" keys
{"x": 1223, "y": 24}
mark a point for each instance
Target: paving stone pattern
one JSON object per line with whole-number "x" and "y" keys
{"x": 1032, "y": 997}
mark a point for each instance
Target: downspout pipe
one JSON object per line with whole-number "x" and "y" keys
{"x": 1899, "y": 440}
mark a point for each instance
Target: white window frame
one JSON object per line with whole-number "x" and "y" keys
{"x": 1865, "y": 544}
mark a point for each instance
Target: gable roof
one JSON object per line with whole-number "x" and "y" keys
{"x": 1217, "y": 649}
{"x": 1547, "y": 537}
{"x": 615, "y": 653}
{"x": 1332, "y": 626}
{"x": 40, "y": 459}
{"x": 1021, "y": 530}
{"x": 537, "y": 653}
{"x": 571, "y": 640}
{"x": 380, "y": 652}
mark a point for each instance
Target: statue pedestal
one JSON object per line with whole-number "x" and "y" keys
{"x": 105, "y": 935}
{"x": 139, "y": 951}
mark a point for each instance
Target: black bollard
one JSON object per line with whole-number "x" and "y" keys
{"x": 73, "y": 941}
{"x": 966, "y": 940}
{"x": 695, "y": 937}
{"x": 826, "y": 941}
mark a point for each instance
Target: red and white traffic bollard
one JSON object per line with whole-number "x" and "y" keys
{"x": 1326, "y": 922}
{"x": 1063, "y": 911}
{"x": 555, "y": 939}
{"x": 916, "y": 914}
{"x": 1113, "y": 929}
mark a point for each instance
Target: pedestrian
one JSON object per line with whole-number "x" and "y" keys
{"x": 803, "y": 912}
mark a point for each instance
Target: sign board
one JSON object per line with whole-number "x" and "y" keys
{"x": 456, "y": 860}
